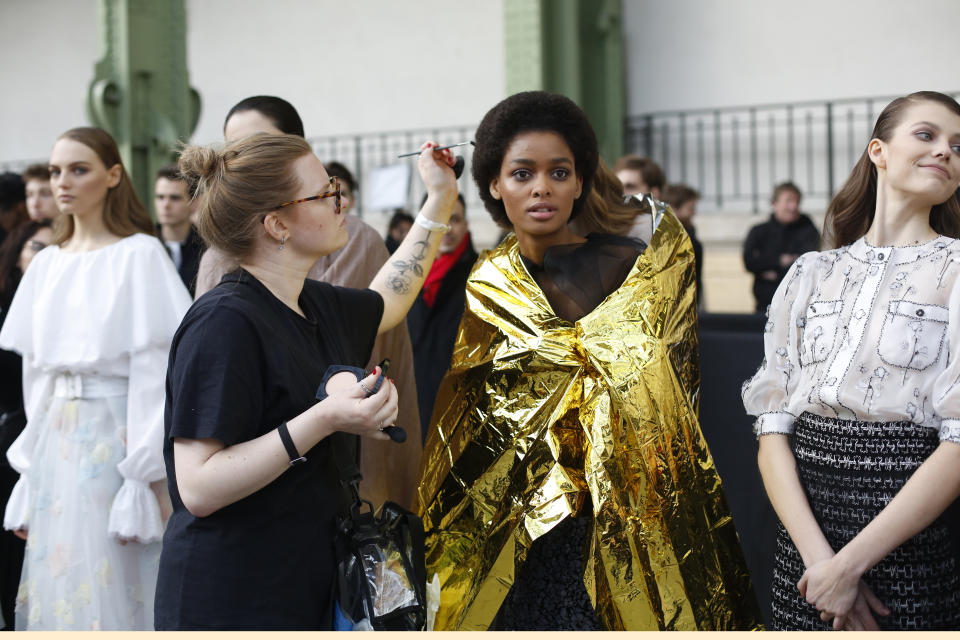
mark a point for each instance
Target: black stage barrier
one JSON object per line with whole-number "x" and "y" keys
{"x": 731, "y": 349}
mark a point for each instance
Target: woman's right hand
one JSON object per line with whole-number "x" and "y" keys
{"x": 21, "y": 533}
{"x": 349, "y": 409}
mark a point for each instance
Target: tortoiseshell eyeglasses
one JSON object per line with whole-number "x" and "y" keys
{"x": 334, "y": 193}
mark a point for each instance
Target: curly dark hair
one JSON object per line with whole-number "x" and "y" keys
{"x": 522, "y": 113}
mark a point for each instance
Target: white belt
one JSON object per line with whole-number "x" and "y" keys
{"x": 76, "y": 385}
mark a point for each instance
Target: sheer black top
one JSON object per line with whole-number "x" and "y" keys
{"x": 576, "y": 278}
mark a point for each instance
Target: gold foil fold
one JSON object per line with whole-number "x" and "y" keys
{"x": 539, "y": 418}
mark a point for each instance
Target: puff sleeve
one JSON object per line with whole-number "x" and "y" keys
{"x": 135, "y": 512}
{"x": 37, "y": 389}
{"x": 17, "y": 335}
{"x": 946, "y": 387}
{"x": 767, "y": 394}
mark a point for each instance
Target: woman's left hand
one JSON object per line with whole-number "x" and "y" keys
{"x": 863, "y": 615}
{"x": 435, "y": 171}
{"x": 832, "y": 587}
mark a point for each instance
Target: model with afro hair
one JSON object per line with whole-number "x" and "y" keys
{"x": 532, "y": 111}
{"x": 576, "y": 350}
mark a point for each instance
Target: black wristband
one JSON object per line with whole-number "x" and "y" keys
{"x": 295, "y": 458}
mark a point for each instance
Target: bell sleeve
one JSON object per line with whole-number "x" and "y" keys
{"x": 135, "y": 513}
{"x": 767, "y": 394}
{"x": 17, "y": 335}
{"x": 157, "y": 303}
{"x": 946, "y": 386}
{"x": 37, "y": 389}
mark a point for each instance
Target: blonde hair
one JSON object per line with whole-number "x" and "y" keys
{"x": 123, "y": 213}
{"x": 239, "y": 184}
{"x": 605, "y": 210}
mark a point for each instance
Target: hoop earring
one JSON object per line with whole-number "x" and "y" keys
{"x": 282, "y": 240}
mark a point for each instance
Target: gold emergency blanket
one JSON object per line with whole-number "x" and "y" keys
{"x": 538, "y": 418}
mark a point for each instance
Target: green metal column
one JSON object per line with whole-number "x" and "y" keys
{"x": 573, "y": 47}
{"x": 140, "y": 92}
{"x": 523, "y": 26}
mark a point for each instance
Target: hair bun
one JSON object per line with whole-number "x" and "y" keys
{"x": 199, "y": 163}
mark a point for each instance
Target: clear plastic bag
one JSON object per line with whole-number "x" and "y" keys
{"x": 389, "y": 585}
{"x": 382, "y": 573}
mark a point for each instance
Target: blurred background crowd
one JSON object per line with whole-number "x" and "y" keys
{"x": 745, "y": 116}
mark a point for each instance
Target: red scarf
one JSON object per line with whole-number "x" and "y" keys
{"x": 438, "y": 271}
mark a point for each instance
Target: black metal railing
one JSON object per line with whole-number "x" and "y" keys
{"x": 364, "y": 153}
{"x": 735, "y": 155}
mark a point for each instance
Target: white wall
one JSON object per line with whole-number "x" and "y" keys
{"x": 349, "y": 67}
{"x": 685, "y": 54}
{"x": 48, "y": 49}
{"x": 435, "y": 62}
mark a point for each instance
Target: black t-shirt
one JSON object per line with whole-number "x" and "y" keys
{"x": 241, "y": 363}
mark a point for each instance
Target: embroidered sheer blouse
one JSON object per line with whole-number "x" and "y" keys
{"x": 864, "y": 333}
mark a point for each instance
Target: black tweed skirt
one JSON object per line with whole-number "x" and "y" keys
{"x": 850, "y": 471}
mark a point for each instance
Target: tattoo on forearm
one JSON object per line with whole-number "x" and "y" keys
{"x": 402, "y": 278}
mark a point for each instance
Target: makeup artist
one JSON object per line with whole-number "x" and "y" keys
{"x": 248, "y": 451}
{"x": 389, "y": 469}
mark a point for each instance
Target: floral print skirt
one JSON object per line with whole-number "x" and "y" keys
{"x": 76, "y": 576}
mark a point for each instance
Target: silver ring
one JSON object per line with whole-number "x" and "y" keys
{"x": 364, "y": 387}
{"x": 381, "y": 425}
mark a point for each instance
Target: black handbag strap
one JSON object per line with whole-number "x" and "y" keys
{"x": 418, "y": 540}
{"x": 345, "y": 449}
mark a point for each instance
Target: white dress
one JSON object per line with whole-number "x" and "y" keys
{"x": 94, "y": 329}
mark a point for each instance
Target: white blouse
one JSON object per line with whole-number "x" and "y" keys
{"x": 864, "y": 333}
{"x": 105, "y": 315}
